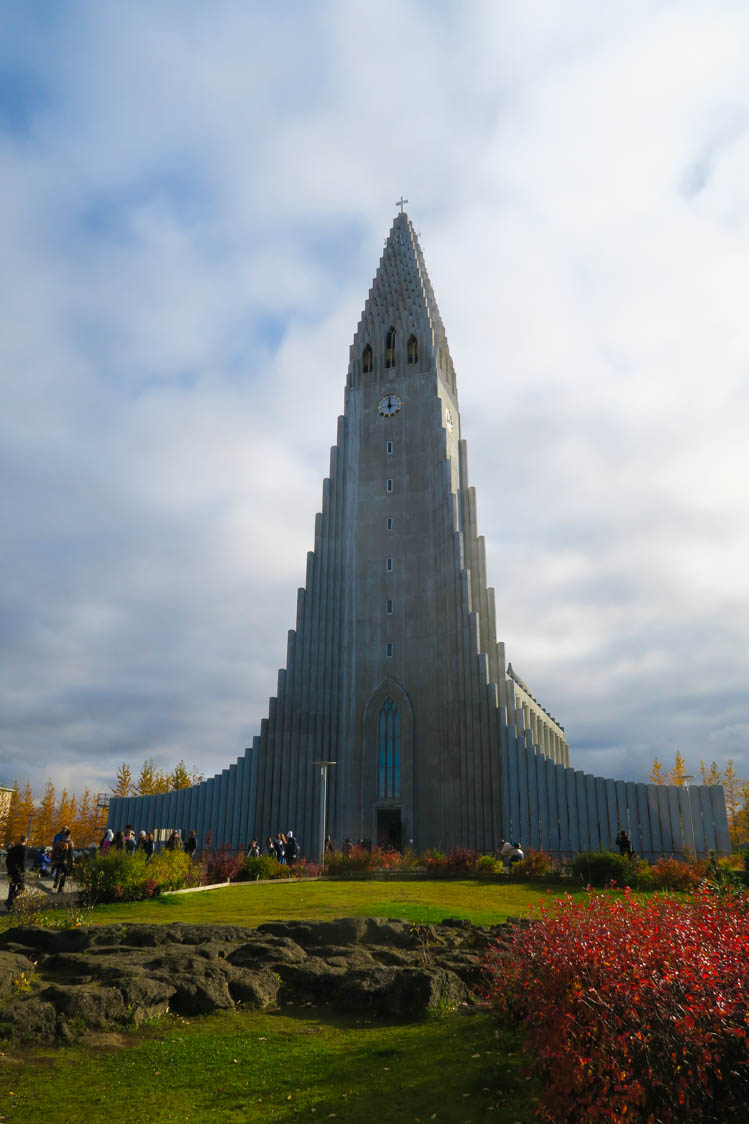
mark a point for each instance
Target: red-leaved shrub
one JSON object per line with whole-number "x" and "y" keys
{"x": 223, "y": 865}
{"x": 536, "y": 864}
{"x": 670, "y": 874}
{"x": 635, "y": 1010}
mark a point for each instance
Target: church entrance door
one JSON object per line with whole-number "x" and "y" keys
{"x": 389, "y": 828}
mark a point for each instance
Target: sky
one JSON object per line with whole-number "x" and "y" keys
{"x": 193, "y": 202}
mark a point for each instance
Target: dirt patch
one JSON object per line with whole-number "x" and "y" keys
{"x": 108, "y": 1040}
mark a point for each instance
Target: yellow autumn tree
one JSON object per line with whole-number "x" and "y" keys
{"x": 180, "y": 778}
{"x": 679, "y": 775}
{"x": 656, "y": 773}
{"x": 732, "y": 790}
{"x": 742, "y": 819}
{"x": 123, "y": 785}
{"x": 148, "y": 779}
{"x": 67, "y": 812}
{"x": 27, "y": 812}
{"x": 45, "y": 817}
{"x": 85, "y": 820}
{"x": 712, "y": 775}
{"x": 15, "y": 827}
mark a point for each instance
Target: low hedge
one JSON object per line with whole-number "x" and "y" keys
{"x": 122, "y": 877}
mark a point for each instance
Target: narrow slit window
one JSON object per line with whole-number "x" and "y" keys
{"x": 412, "y": 350}
{"x": 389, "y": 565}
{"x": 388, "y": 606}
{"x": 389, "y": 447}
{"x": 366, "y": 360}
{"x": 388, "y": 524}
{"x": 388, "y": 649}
{"x": 390, "y": 348}
{"x": 390, "y": 485}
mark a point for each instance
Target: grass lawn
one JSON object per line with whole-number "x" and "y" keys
{"x": 246, "y": 1066}
{"x": 250, "y": 903}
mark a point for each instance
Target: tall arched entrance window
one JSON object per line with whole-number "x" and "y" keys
{"x": 388, "y": 760}
{"x": 389, "y": 757}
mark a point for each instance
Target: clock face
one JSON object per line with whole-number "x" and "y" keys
{"x": 448, "y": 420}
{"x": 389, "y": 405}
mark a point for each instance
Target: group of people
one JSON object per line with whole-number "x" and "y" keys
{"x": 63, "y": 857}
{"x": 128, "y": 841}
{"x": 284, "y": 848}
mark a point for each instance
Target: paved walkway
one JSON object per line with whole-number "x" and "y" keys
{"x": 43, "y": 884}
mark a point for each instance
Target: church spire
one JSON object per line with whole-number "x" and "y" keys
{"x": 401, "y": 323}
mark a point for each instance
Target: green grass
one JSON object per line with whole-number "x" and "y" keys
{"x": 454, "y": 1069}
{"x": 250, "y": 903}
{"x": 244, "y": 1066}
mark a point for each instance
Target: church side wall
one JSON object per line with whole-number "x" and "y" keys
{"x": 563, "y": 811}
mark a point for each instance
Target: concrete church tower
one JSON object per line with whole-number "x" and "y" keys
{"x": 394, "y": 670}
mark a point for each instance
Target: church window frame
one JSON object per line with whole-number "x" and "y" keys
{"x": 412, "y": 351}
{"x": 389, "y": 448}
{"x": 389, "y": 649}
{"x": 390, "y": 348}
{"x": 389, "y": 523}
{"x": 388, "y": 751}
{"x": 367, "y": 360}
{"x": 389, "y": 606}
{"x": 389, "y": 485}
{"x": 389, "y": 565}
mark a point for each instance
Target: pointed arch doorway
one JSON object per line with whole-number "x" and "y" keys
{"x": 388, "y": 774}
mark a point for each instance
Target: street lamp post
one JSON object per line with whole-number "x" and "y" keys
{"x": 324, "y": 766}
{"x": 688, "y": 777}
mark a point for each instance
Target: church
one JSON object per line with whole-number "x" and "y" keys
{"x": 395, "y": 674}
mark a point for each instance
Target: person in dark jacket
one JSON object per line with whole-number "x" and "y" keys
{"x": 192, "y": 844}
{"x": 15, "y": 864}
{"x": 148, "y": 845}
{"x": 62, "y": 860}
{"x": 292, "y": 848}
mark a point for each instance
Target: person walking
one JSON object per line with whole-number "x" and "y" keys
{"x": 149, "y": 845}
{"x": 292, "y": 848}
{"x": 62, "y": 861}
{"x": 623, "y": 843}
{"x": 254, "y": 851}
{"x": 106, "y": 842}
{"x": 15, "y": 864}
{"x": 192, "y": 845}
{"x": 517, "y": 854}
{"x": 270, "y": 847}
{"x": 280, "y": 846}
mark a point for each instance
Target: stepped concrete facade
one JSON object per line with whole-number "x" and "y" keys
{"x": 394, "y": 670}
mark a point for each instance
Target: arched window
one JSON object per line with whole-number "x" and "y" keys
{"x": 366, "y": 360}
{"x": 390, "y": 348}
{"x": 389, "y": 733}
{"x": 412, "y": 350}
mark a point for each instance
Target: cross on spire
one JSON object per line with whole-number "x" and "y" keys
{"x": 401, "y": 203}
